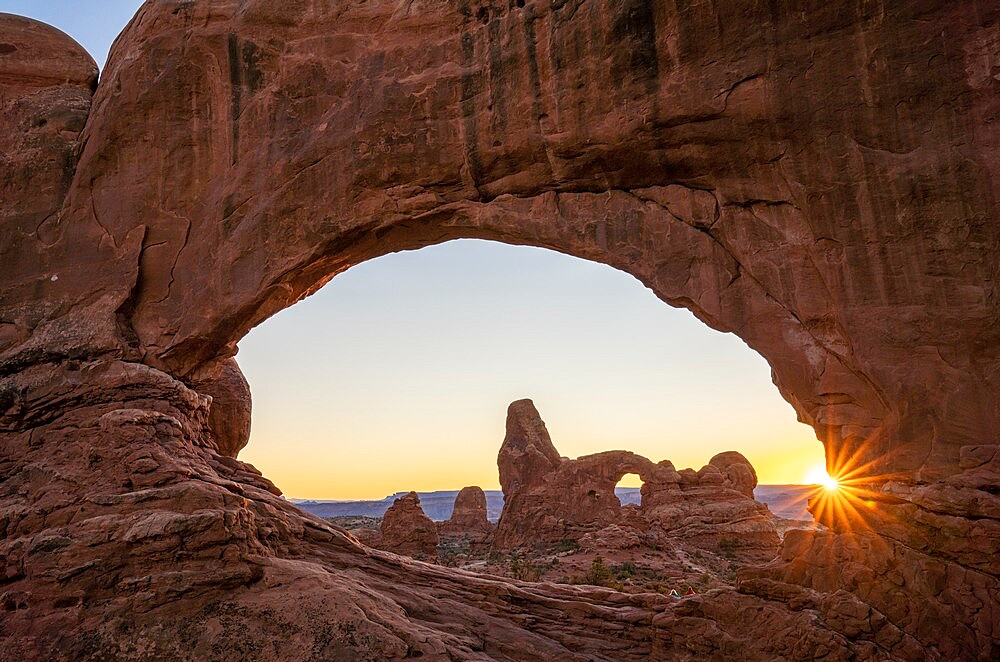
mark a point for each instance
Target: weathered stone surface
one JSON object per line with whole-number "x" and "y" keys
{"x": 46, "y": 84}
{"x": 548, "y": 499}
{"x": 820, "y": 179}
{"x": 407, "y": 530}
{"x": 229, "y": 414}
{"x": 468, "y": 530}
{"x": 526, "y": 454}
{"x": 737, "y": 472}
{"x": 469, "y": 515}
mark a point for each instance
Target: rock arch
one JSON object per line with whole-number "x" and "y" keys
{"x": 236, "y": 170}
{"x": 821, "y": 182}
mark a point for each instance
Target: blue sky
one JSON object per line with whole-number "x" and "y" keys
{"x": 397, "y": 375}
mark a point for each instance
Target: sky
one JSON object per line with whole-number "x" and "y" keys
{"x": 397, "y": 375}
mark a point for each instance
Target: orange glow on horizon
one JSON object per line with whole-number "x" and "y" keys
{"x": 397, "y": 375}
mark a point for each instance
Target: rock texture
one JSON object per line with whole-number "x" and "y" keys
{"x": 550, "y": 499}
{"x": 229, "y": 413}
{"x": 820, "y": 179}
{"x": 407, "y": 530}
{"x": 45, "y": 96}
{"x": 469, "y": 515}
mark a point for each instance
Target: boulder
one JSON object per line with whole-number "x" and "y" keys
{"x": 229, "y": 414}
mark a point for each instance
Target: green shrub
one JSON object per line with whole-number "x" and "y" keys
{"x": 625, "y": 570}
{"x": 523, "y": 570}
{"x": 566, "y": 545}
{"x": 600, "y": 575}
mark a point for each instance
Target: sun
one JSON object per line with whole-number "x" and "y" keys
{"x": 818, "y": 476}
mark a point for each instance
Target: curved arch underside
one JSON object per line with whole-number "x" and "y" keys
{"x": 821, "y": 182}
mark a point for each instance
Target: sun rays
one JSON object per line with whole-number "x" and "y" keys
{"x": 818, "y": 476}
{"x": 848, "y": 495}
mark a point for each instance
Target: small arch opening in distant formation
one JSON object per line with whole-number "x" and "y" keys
{"x": 628, "y": 489}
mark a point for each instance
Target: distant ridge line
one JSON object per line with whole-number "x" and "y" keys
{"x": 786, "y": 500}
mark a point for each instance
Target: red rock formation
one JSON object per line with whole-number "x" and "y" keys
{"x": 468, "y": 528}
{"x": 548, "y": 499}
{"x": 819, "y": 180}
{"x": 229, "y": 414}
{"x": 713, "y": 510}
{"x": 527, "y": 455}
{"x": 469, "y": 515}
{"x": 407, "y": 530}
{"x": 45, "y": 94}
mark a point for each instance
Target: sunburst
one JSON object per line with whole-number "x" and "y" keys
{"x": 849, "y": 496}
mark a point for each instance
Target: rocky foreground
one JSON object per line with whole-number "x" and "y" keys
{"x": 819, "y": 178}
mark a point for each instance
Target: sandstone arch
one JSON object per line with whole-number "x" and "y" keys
{"x": 264, "y": 193}
{"x": 821, "y": 181}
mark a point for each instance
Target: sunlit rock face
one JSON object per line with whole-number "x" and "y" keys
{"x": 819, "y": 179}
{"x": 550, "y": 499}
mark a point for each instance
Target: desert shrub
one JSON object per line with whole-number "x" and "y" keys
{"x": 566, "y": 545}
{"x": 625, "y": 570}
{"x": 600, "y": 575}
{"x": 523, "y": 569}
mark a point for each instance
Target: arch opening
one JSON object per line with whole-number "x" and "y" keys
{"x": 657, "y": 236}
{"x": 628, "y": 489}
{"x": 391, "y": 353}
